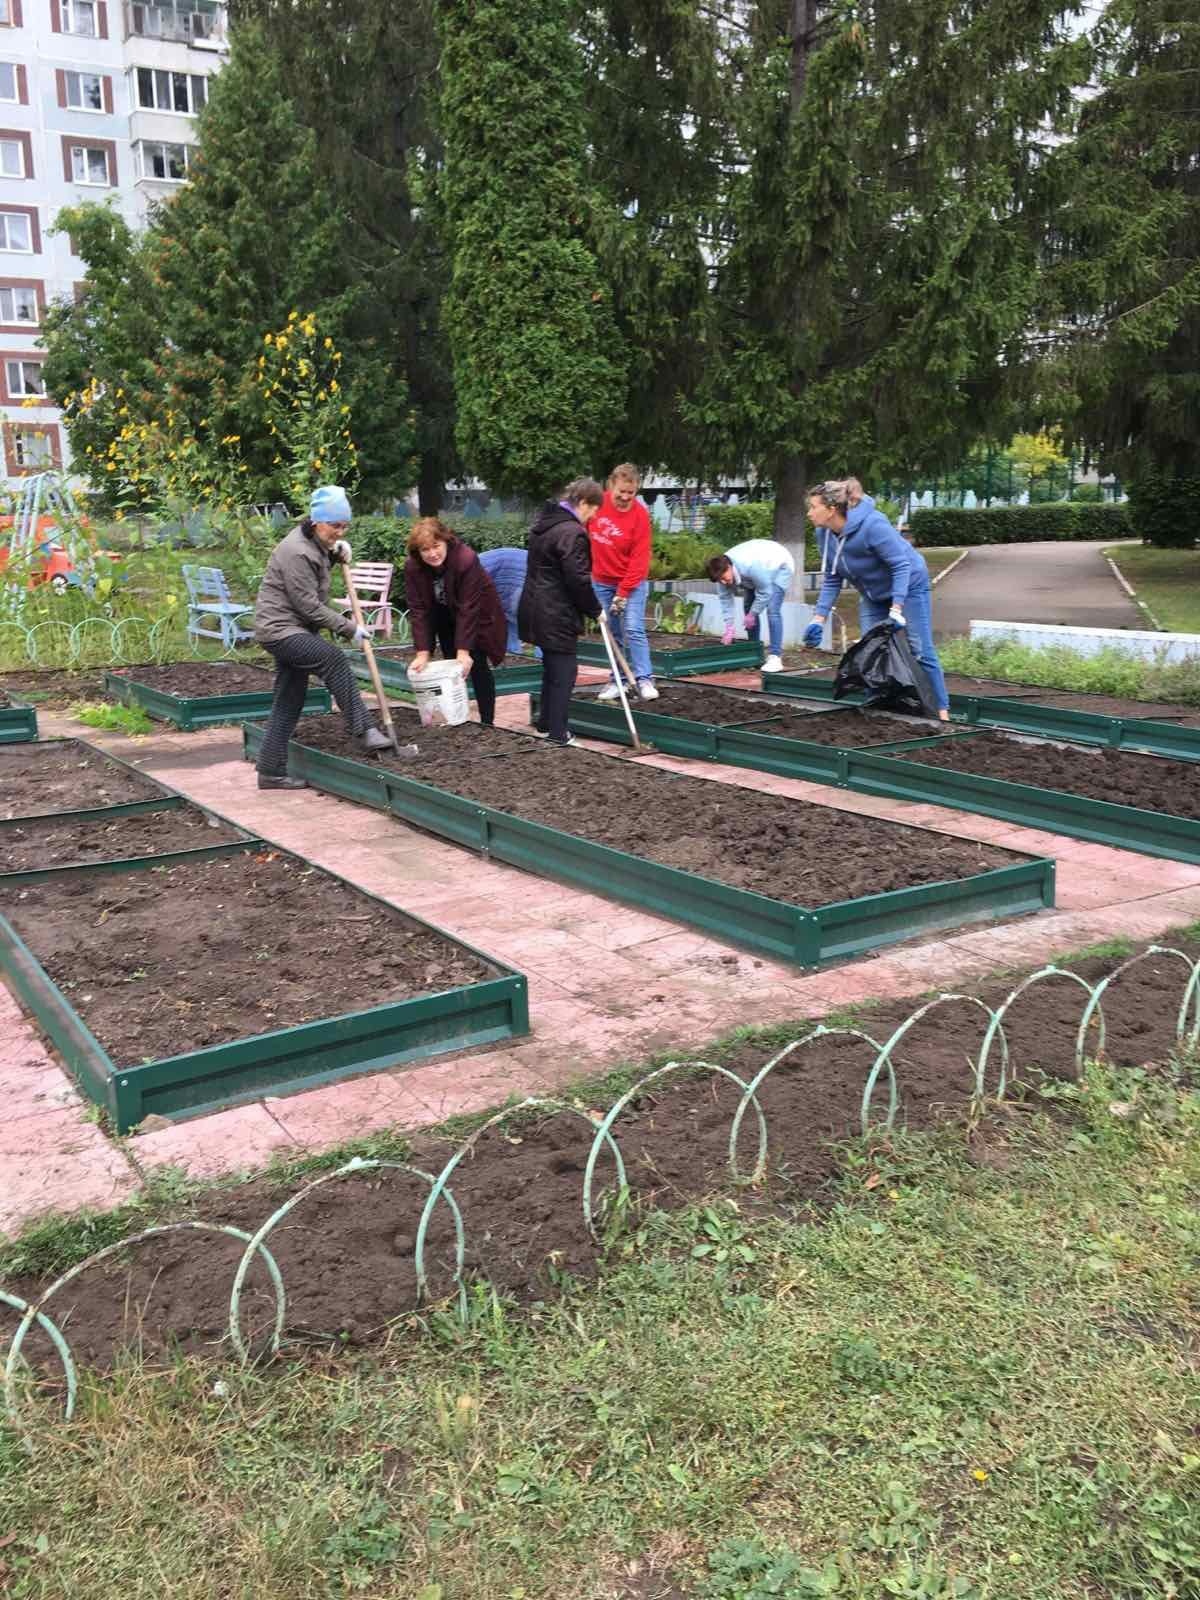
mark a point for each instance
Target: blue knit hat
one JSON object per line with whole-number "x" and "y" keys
{"x": 329, "y": 504}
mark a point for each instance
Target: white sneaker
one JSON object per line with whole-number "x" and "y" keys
{"x": 646, "y": 689}
{"x": 772, "y": 664}
{"x": 609, "y": 692}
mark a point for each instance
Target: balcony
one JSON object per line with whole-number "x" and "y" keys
{"x": 199, "y": 23}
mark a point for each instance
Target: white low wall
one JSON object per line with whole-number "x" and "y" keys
{"x": 1166, "y": 648}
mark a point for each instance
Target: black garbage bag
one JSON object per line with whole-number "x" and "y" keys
{"x": 883, "y": 667}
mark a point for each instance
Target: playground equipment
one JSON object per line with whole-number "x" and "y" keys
{"x": 45, "y": 532}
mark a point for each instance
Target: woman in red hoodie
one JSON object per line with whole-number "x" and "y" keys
{"x": 620, "y": 540}
{"x": 453, "y": 603}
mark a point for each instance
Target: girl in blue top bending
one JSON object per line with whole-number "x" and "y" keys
{"x": 859, "y": 543}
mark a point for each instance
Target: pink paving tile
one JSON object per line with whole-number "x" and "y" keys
{"x": 37, "y": 1092}
{"x": 615, "y": 928}
{"x": 58, "y": 1162}
{"x": 237, "y": 1140}
{"x": 348, "y": 1110}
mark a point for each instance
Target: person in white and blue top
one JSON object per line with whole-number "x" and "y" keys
{"x": 859, "y": 543}
{"x": 764, "y": 570}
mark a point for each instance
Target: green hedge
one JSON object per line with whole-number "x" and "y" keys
{"x": 954, "y": 526}
{"x": 1166, "y": 509}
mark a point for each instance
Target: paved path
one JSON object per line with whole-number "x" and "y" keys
{"x": 1045, "y": 582}
{"x": 607, "y": 984}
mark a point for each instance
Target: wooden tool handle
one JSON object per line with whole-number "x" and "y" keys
{"x": 372, "y": 665}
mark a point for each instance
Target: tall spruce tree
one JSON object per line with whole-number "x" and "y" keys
{"x": 1124, "y": 265}
{"x": 883, "y": 261}
{"x": 539, "y": 370}
{"x": 363, "y": 77}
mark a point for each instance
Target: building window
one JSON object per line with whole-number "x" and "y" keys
{"x": 89, "y": 164}
{"x": 168, "y": 162}
{"x": 20, "y": 306}
{"x": 83, "y": 91}
{"x": 170, "y": 91}
{"x": 7, "y": 19}
{"x": 79, "y": 16}
{"x": 12, "y": 158}
{"x": 30, "y": 449}
{"x": 10, "y": 88}
{"x": 16, "y": 231}
{"x": 24, "y": 379}
{"x": 173, "y": 21}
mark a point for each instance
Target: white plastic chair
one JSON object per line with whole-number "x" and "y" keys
{"x": 373, "y": 583}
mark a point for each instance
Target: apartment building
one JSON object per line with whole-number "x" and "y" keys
{"x": 98, "y": 101}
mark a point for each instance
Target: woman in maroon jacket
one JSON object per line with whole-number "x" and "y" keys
{"x": 453, "y": 603}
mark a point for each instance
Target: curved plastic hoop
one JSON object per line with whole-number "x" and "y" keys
{"x": 33, "y": 1311}
{"x": 602, "y": 1132}
{"x": 1094, "y": 1002}
{"x": 469, "y": 1144}
{"x": 998, "y": 1015}
{"x": 32, "y": 643}
{"x": 819, "y": 1032}
{"x": 79, "y": 633}
{"x": 358, "y": 1164}
{"x": 50, "y": 1329}
{"x": 885, "y": 1055}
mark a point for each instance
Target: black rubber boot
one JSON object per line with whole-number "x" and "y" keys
{"x": 279, "y": 780}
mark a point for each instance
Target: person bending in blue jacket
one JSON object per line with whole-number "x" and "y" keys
{"x": 506, "y": 569}
{"x": 858, "y": 542}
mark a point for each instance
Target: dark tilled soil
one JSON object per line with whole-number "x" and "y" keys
{"x": 346, "y": 1252}
{"x": 781, "y": 848}
{"x": 192, "y": 680}
{"x": 161, "y": 962}
{"x": 28, "y": 845}
{"x": 785, "y": 719}
{"x": 52, "y": 689}
{"x": 65, "y": 775}
{"x": 1125, "y": 778}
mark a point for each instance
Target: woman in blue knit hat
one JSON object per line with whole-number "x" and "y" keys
{"x": 291, "y": 609}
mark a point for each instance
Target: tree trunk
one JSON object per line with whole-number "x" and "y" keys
{"x": 431, "y": 489}
{"x": 790, "y": 513}
{"x": 789, "y": 476}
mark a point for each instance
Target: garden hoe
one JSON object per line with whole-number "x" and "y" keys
{"x": 617, "y": 655}
{"x": 385, "y": 714}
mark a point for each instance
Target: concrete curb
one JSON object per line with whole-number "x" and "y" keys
{"x": 1133, "y": 595}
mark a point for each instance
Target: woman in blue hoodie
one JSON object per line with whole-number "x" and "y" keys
{"x": 859, "y": 543}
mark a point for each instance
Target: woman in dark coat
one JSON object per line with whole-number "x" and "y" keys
{"x": 558, "y": 596}
{"x": 453, "y": 603}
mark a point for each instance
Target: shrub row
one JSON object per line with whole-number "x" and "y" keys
{"x": 955, "y": 526}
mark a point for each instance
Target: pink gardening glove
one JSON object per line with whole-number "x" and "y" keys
{"x": 727, "y": 636}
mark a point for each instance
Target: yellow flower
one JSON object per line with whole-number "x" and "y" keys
{"x": 268, "y": 338}
{"x": 292, "y": 315}
{"x": 328, "y": 342}
{"x": 111, "y": 466}
{"x": 980, "y": 1475}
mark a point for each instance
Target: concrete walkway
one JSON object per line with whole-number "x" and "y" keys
{"x": 607, "y": 984}
{"x": 1070, "y": 584}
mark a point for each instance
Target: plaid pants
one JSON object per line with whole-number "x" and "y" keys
{"x": 295, "y": 657}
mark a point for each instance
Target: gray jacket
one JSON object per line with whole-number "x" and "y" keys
{"x": 293, "y": 596}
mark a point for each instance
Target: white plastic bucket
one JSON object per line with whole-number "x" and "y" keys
{"x": 441, "y": 692}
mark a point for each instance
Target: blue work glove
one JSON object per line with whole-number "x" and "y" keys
{"x": 896, "y": 617}
{"x": 813, "y": 635}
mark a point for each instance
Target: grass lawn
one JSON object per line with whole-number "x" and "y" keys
{"x": 974, "y": 1378}
{"x": 1167, "y": 580}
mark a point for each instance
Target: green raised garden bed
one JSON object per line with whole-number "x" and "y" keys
{"x": 1143, "y": 735}
{"x": 809, "y": 937}
{"x": 688, "y": 661}
{"x": 243, "y": 841}
{"x": 17, "y": 724}
{"x": 201, "y": 711}
{"x": 393, "y": 674}
{"x": 281, "y": 1061}
{"x": 870, "y": 771}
